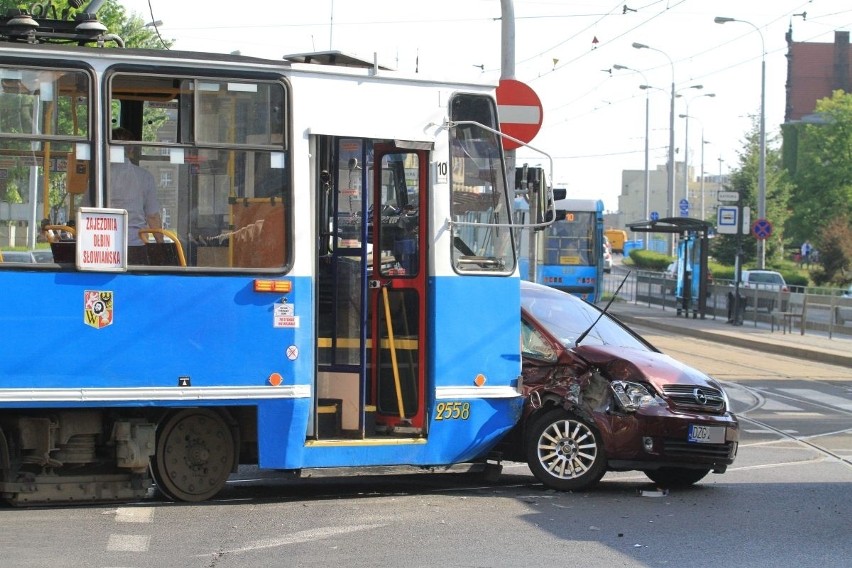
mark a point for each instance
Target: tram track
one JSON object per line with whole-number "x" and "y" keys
{"x": 803, "y": 440}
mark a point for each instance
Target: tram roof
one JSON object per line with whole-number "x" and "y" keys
{"x": 336, "y": 58}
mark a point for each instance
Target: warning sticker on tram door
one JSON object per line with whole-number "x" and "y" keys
{"x": 284, "y": 315}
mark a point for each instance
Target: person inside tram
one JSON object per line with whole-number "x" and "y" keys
{"x": 132, "y": 187}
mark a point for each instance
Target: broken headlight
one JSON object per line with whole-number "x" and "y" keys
{"x": 632, "y": 396}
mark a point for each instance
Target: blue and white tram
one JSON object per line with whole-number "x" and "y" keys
{"x": 321, "y": 292}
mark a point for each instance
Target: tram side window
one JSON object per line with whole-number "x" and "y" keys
{"x": 216, "y": 149}
{"x": 45, "y": 148}
{"x": 478, "y": 190}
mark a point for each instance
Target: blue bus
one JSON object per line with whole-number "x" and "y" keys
{"x": 568, "y": 253}
{"x": 319, "y": 292}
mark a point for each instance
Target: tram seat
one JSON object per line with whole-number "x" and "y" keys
{"x": 166, "y": 253}
{"x": 62, "y": 239}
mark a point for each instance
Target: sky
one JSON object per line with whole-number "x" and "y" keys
{"x": 593, "y": 114}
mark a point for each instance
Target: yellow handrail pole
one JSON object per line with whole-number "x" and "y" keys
{"x": 45, "y": 178}
{"x": 392, "y": 346}
{"x": 232, "y": 193}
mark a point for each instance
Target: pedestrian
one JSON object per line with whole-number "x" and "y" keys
{"x": 806, "y": 253}
{"x": 132, "y": 187}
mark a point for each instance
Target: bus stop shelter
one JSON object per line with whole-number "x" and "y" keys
{"x": 685, "y": 227}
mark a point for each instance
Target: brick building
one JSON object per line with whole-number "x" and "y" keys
{"x": 814, "y": 71}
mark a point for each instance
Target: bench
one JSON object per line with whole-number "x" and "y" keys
{"x": 797, "y": 308}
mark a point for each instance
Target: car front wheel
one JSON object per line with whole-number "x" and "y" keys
{"x": 565, "y": 452}
{"x": 673, "y": 477}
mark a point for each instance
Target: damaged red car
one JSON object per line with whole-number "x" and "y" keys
{"x": 600, "y": 398}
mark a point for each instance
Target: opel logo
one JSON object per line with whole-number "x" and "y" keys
{"x": 700, "y": 397}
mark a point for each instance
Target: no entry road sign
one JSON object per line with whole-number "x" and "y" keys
{"x": 520, "y": 112}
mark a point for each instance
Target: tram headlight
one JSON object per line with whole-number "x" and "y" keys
{"x": 632, "y": 396}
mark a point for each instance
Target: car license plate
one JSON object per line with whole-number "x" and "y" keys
{"x": 706, "y": 434}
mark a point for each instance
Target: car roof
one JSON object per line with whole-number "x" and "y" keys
{"x": 17, "y": 255}
{"x": 768, "y": 276}
{"x": 533, "y": 287}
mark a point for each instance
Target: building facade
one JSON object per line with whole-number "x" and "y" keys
{"x": 631, "y": 201}
{"x": 814, "y": 71}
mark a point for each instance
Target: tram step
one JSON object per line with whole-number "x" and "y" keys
{"x": 329, "y": 416}
{"x": 369, "y": 420}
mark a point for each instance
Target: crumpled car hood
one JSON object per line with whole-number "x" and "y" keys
{"x": 657, "y": 368}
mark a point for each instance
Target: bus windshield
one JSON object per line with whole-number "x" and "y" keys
{"x": 570, "y": 239}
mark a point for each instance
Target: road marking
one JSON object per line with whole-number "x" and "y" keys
{"x": 800, "y": 414}
{"x": 822, "y": 398}
{"x": 134, "y": 514}
{"x": 776, "y": 406}
{"x": 128, "y": 543}
{"x": 298, "y": 537}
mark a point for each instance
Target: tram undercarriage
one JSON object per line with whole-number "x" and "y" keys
{"x": 100, "y": 456}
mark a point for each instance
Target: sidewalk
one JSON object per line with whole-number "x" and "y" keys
{"x": 813, "y": 346}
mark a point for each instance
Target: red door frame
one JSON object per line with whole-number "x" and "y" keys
{"x": 417, "y": 283}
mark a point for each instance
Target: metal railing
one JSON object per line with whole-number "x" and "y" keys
{"x": 827, "y": 310}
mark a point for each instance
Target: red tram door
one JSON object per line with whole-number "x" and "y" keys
{"x": 397, "y": 294}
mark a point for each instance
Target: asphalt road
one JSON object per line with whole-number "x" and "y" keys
{"x": 785, "y": 501}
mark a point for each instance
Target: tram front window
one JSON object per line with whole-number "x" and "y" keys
{"x": 479, "y": 198}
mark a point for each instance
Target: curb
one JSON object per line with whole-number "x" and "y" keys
{"x": 817, "y": 356}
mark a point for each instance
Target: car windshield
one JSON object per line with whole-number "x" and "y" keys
{"x": 566, "y": 317}
{"x": 765, "y": 278}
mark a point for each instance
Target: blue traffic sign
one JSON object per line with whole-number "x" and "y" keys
{"x": 654, "y": 216}
{"x": 727, "y": 219}
{"x": 761, "y": 229}
{"x": 684, "y": 207}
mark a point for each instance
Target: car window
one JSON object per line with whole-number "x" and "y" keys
{"x": 765, "y": 278}
{"x": 566, "y": 317}
{"x": 534, "y": 345}
{"x": 43, "y": 256}
{"x": 17, "y": 256}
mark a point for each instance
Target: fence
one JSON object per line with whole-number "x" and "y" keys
{"x": 827, "y": 311}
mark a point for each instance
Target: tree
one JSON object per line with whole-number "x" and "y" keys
{"x": 112, "y": 14}
{"x": 834, "y": 243}
{"x": 744, "y": 180}
{"x": 823, "y": 168}
{"x": 130, "y": 28}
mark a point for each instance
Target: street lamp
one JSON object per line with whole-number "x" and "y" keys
{"x": 702, "y": 175}
{"x": 647, "y": 196}
{"x": 703, "y": 143}
{"x": 686, "y": 143}
{"x": 671, "y": 182}
{"x": 761, "y": 176}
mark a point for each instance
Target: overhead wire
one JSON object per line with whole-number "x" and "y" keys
{"x": 156, "y": 26}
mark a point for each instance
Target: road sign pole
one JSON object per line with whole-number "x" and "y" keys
{"x": 737, "y": 316}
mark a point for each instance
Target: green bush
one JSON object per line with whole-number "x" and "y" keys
{"x": 721, "y": 271}
{"x": 650, "y": 260}
{"x": 795, "y": 278}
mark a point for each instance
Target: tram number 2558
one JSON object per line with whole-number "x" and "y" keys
{"x": 452, "y": 411}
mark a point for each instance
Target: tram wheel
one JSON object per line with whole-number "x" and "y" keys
{"x": 195, "y": 454}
